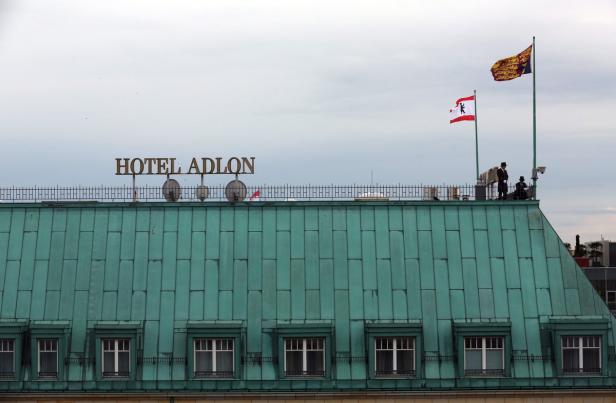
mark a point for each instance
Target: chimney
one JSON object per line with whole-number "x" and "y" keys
{"x": 577, "y": 252}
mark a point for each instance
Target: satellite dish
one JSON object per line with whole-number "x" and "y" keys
{"x": 235, "y": 191}
{"x": 201, "y": 192}
{"x": 172, "y": 190}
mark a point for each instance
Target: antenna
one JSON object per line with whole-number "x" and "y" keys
{"x": 201, "y": 192}
{"x": 172, "y": 190}
{"x": 235, "y": 191}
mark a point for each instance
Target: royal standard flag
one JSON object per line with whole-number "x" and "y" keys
{"x": 512, "y": 67}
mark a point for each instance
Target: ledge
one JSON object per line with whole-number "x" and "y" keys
{"x": 163, "y": 204}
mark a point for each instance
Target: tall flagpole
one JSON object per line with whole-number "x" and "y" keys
{"x": 476, "y": 138}
{"x": 534, "y": 127}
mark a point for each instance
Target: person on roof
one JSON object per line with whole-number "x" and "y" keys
{"x": 520, "y": 190}
{"x": 502, "y": 175}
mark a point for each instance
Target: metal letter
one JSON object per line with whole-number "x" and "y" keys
{"x": 162, "y": 165}
{"x": 149, "y": 161}
{"x": 248, "y": 163}
{"x": 173, "y": 171}
{"x": 205, "y": 169}
{"x": 193, "y": 165}
{"x": 218, "y": 165}
{"x": 120, "y": 166}
{"x": 238, "y": 166}
{"x": 132, "y": 166}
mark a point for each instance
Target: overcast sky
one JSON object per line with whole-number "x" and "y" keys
{"x": 317, "y": 91}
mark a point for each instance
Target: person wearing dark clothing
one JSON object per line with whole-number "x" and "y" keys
{"x": 502, "y": 175}
{"x": 520, "y": 190}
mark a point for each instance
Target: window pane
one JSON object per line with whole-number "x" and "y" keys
{"x": 224, "y": 362}
{"x": 570, "y": 359}
{"x": 315, "y": 362}
{"x": 48, "y": 364}
{"x": 203, "y": 362}
{"x": 109, "y": 362}
{"x": 7, "y": 351}
{"x": 473, "y": 360}
{"x": 494, "y": 359}
{"x": 591, "y": 360}
{"x": 294, "y": 362}
{"x": 6, "y": 363}
{"x": 405, "y": 361}
{"x": 48, "y": 357}
{"x": 385, "y": 361}
{"x": 123, "y": 362}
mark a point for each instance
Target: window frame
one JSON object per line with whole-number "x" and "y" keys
{"x": 495, "y": 328}
{"x": 10, "y": 348}
{"x": 56, "y": 349}
{"x": 578, "y": 328}
{"x": 14, "y": 330}
{"x": 484, "y": 353}
{"x": 215, "y": 374}
{"x": 304, "y": 350}
{"x": 305, "y": 330}
{"x": 48, "y": 330}
{"x": 395, "y": 348}
{"x": 116, "y": 356}
{"x": 376, "y": 330}
{"x": 196, "y": 330}
{"x": 580, "y": 351}
{"x": 117, "y": 330}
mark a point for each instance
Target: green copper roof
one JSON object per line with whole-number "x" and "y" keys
{"x": 161, "y": 267}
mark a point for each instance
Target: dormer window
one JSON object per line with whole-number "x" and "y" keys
{"x": 581, "y": 354}
{"x": 484, "y": 356}
{"x": 116, "y": 358}
{"x": 7, "y": 358}
{"x": 304, "y": 356}
{"x": 214, "y": 357}
{"x": 394, "y": 356}
{"x": 48, "y": 358}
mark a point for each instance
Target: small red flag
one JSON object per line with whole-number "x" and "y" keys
{"x": 255, "y": 196}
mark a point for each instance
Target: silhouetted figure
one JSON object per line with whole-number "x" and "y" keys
{"x": 502, "y": 175}
{"x": 520, "y": 190}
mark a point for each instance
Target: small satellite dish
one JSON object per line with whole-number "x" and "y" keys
{"x": 172, "y": 190}
{"x": 235, "y": 191}
{"x": 201, "y": 192}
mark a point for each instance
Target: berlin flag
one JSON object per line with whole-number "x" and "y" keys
{"x": 464, "y": 110}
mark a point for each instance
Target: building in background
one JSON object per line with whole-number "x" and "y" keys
{"x": 603, "y": 279}
{"x": 325, "y": 300}
{"x": 608, "y": 253}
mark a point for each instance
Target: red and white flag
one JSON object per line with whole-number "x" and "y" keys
{"x": 464, "y": 110}
{"x": 256, "y": 196}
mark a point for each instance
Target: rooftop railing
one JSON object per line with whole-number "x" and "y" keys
{"x": 253, "y": 193}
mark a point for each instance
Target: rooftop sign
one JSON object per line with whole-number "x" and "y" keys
{"x": 197, "y": 166}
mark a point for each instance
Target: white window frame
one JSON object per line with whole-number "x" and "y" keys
{"x": 7, "y": 345}
{"x": 304, "y": 349}
{"x": 580, "y": 347}
{"x": 52, "y": 341}
{"x": 214, "y": 350}
{"x": 395, "y": 348}
{"x": 116, "y": 350}
{"x": 484, "y": 350}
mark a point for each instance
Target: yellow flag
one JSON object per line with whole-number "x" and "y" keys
{"x": 512, "y": 67}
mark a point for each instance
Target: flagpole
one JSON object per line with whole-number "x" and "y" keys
{"x": 534, "y": 128}
{"x": 476, "y": 138}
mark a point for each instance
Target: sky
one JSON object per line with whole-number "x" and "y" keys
{"x": 318, "y": 92}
